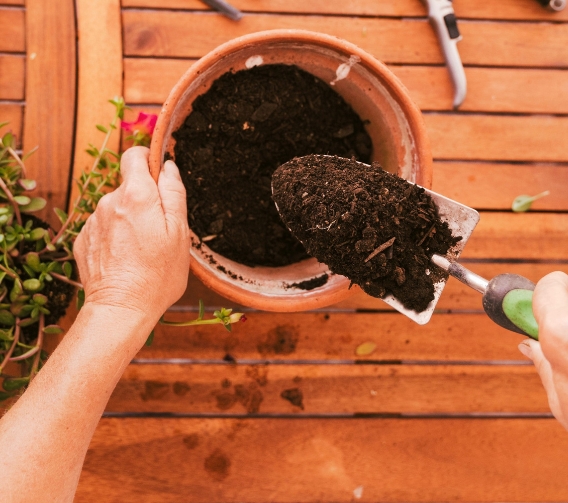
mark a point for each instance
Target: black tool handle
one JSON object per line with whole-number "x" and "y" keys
{"x": 508, "y": 302}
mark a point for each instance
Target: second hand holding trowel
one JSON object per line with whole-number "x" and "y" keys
{"x": 507, "y": 298}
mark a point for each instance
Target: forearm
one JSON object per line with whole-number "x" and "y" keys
{"x": 45, "y": 436}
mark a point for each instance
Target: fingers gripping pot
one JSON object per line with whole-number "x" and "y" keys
{"x": 394, "y": 124}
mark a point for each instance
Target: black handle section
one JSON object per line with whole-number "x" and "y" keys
{"x": 452, "y": 26}
{"x": 496, "y": 291}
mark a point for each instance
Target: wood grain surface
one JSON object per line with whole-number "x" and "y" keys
{"x": 49, "y": 117}
{"x": 288, "y": 460}
{"x": 505, "y": 9}
{"x": 12, "y": 70}
{"x": 12, "y": 29}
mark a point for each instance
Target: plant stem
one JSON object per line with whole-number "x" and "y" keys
{"x": 8, "y": 354}
{"x": 39, "y": 344}
{"x": 211, "y": 321}
{"x": 8, "y": 272}
{"x": 18, "y": 160}
{"x": 25, "y": 356}
{"x": 74, "y": 211}
{"x": 65, "y": 279}
{"x": 10, "y": 197}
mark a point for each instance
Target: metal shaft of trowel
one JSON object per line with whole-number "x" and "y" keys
{"x": 461, "y": 273}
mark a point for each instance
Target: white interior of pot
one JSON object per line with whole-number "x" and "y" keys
{"x": 364, "y": 90}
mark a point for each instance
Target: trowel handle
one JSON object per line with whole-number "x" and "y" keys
{"x": 508, "y": 302}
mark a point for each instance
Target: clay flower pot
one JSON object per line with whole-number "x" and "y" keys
{"x": 395, "y": 126}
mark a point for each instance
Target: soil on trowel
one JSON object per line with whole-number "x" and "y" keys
{"x": 366, "y": 224}
{"x": 245, "y": 126}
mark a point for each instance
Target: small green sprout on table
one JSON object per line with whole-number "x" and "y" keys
{"x": 524, "y": 202}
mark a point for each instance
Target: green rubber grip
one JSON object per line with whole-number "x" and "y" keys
{"x": 517, "y": 306}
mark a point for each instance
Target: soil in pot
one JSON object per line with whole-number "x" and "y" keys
{"x": 366, "y": 224}
{"x": 245, "y": 126}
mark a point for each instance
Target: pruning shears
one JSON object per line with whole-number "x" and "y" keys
{"x": 443, "y": 19}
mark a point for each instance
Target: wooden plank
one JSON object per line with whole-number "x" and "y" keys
{"x": 100, "y": 76}
{"x": 334, "y": 336}
{"x": 329, "y": 389}
{"x": 540, "y": 236}
{"x": 165, "y": 34}
{"x": 291, "y": 460}
{"x": 495, "y": 185}
{"x": 12, "y": 70}
{"x": 12, "y": 113}
{"x": 505, "y": 9}
{"x": 50, "y": 99}
{"x": 456, "y": 296}
{"x": 12, "y": 31}
{"x": 12, "y": 2}
{"x": 149, "y": 80}
{"x": 508, "y": 138}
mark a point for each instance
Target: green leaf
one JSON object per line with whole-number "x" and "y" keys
{"x": 150, "y": 339}
{"x": 29, "y": 271}
{"x": 16, "y": 290}
{"x": 14, "y": 383}
{"x": 524, "y": 202}
{"x": 37, "y": 234}
{"x": 27, "y": 184}
{"x": 4, "y": 219}
{"x": 8, "y": 140}
{"x": 32, "y": 285}
{"x": 2, "y": 276}
{"x": 21, "y": 310}
{"x": 67, "y": 269}
{"x": 36, "y": 204}
{"x": 5, "y": 396}
{"x": 61, "y": 215}
{"x": 365, "y": 349}
{"x": 7, "y": 334}
{"x": 22, "y": 200}
{"x": 102, "y": 128}
{"x": 7, "y": 318}
{"x": 80, "y": 298}
{"x": 35, "y": 312}
{"x": 53, "y": 329}
{"x": 4, "y": 210}
{"x": 27, "y": 322}
{"x": 201, "y": 310}
{"x": 33, "y": 261}
{"x": 229, "y": 327}
{"x": 40, "y": 299}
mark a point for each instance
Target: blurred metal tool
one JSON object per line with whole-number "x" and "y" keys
{"x": 443, "y": 19}
{"x": 556, "y": 5}
{"x": 224, "y": 8}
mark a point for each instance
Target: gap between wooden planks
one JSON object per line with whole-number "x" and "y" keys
{"x": 328, "y": 389}
{"x": 334, "y": 337}
{"x": 312, "y": 460}
{"x": 165, "y": 34}
{"x": 505, "y": 90}
{"x": 505, "y": 9}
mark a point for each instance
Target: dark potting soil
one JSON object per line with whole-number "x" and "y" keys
{"x": 364, "y": 223}
{"x": 245, "y": 126}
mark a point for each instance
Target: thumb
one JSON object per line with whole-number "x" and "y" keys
{"x": 172, "y": 193}
{"x": 532, "y": 350}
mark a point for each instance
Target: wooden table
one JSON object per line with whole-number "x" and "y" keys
{"x": 450, "y": 411}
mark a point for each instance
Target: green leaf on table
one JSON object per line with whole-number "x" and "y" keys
{"x": 523, "y": 203}
{"x": 365, "y": 349}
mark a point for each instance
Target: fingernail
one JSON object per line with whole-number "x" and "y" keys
{"x": 525, "y": 349}
{"x": 171, "y": 170}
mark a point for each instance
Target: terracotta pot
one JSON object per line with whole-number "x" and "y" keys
{"x": 395, "y": 126}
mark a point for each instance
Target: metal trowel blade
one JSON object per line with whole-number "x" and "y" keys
{"x": 461, "y": 220}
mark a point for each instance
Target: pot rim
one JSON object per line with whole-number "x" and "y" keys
{"x": 334, "y": 291}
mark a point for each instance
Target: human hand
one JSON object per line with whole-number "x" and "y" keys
{"x": 550, "y": 354}
{"x": 133, "y": 251}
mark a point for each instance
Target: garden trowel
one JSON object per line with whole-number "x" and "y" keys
{"x": 507, "y": 298}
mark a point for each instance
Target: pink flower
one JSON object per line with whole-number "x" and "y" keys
{"x": 141, "y": 129}
{"x": 145, "y": 124}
